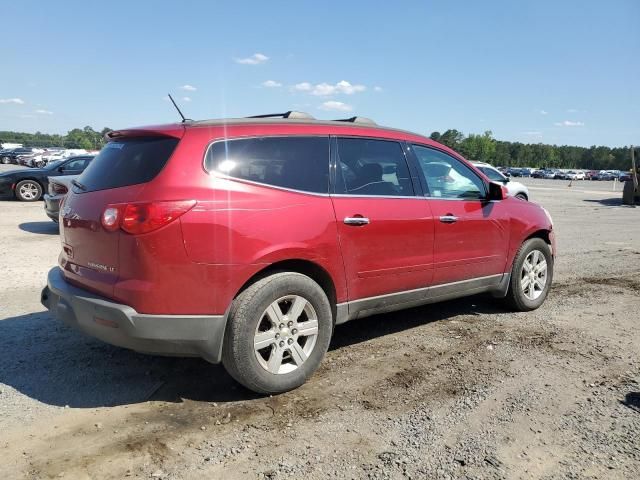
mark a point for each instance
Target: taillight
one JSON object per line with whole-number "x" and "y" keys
{"x": 58, "y": 189}
{"x": 111, "y": 218}
{"x": 139, "y": 218}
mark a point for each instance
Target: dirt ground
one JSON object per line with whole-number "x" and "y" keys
{"x": 462, "y": 389}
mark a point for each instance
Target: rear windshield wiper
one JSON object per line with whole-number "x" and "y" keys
{"x": 79, "y": 185}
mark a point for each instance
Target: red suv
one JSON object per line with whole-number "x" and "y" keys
{"x": 247, "y": 240}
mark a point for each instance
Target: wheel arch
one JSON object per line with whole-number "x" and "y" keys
{"x": 542, "y": 233}
{"x": 305, "y": 267}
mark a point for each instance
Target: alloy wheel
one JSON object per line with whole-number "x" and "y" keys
{"x": 533, "y": 277}
{"x": 29, "y": 191}
{"x": 286, "y": 334}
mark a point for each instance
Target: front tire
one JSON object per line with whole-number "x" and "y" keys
{"x": 522, "y": 196}
{"x": 28, "y": 191}
{"x": 278, "y": 332}
{"x": 6, "y": 160}
{"x": 531, "y": 275}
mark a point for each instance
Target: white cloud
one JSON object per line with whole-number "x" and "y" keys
{"x": 255, "y": 59}
{"x": 188, "y": 88}
{"x": 44, "y": 112}
{"x": 569, "y": 123}
{"x": 533, "y": 133}
{"x": 17, "y": 101}
{"x": 303, "y": 87}
{"x": 334, "y": 105}
{"x": 186, "y": 99}
{"x": 377, "y": 89}
{"x": 543, "y": 112}
{"x": 326, "y": 89}
{"x": 271, "y": 84}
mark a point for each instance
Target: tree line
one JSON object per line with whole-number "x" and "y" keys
{"x": 479, "y": 147}
{"x": 484, "y": 148}
{"x": 86, "y": 138}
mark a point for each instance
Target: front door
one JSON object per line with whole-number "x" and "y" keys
{"x": 386, "y": 234}
{"x": 471, "y": 233}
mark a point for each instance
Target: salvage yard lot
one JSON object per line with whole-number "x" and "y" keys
{"x": 463, "y": 388}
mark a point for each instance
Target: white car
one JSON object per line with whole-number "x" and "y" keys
{"x": 576, "y": 175}
{"x": 515, "y": 189}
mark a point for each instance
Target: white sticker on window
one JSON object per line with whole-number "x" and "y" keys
{"x": 437, "y": 193}
{"x": 119, "y": 146}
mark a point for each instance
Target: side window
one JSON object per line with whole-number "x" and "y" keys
{"x": 75, "y": 164}
{"x": 372, "y": 167}
{"x": 447, "y": 177}
{"x": 299, "y": 163}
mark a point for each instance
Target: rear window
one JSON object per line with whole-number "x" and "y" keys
{"x": 128, "y": 161}
{"x": 298, "y": 163}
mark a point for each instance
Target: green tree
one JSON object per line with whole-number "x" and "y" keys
{"x": 452, "y": 138}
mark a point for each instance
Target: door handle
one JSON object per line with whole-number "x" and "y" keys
{"x": 448, "y": 218}
{"x": 356, "y": 221}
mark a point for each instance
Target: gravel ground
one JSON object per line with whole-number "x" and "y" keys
{"x": 462, "y": 389}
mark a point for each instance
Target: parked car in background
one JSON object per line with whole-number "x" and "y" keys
{"x": 560, "y": 175}
{"x": 29, "y": 184}
{"x": 605, "y": 175}
{"x": 624, "y": 177}
{"x": 5, "y": 155}
{"x": 515, "y": 189}
{"x": 246, "y": 240}
{"x": 538, "y": 173}
{"x": 17, "y": 153}
{"x": 58, "y": 188}
{"x": 573, "y": 175}
{"x": 550, "y": 174}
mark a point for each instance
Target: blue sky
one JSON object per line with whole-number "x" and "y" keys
{"x": 564, "y": 72}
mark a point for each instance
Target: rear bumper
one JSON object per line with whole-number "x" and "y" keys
{"x": 52, "y": 206}
{"x": 121, "y": 325}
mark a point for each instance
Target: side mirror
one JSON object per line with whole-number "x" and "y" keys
{"x": 496, "y": 191}
{"x": 506, "y": 180}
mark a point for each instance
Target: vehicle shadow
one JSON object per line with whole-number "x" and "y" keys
{"x": 56, "y": 365}
{"x": 42, "y": 228}
{"x": 609, "y": 202}
{"x": 632, "y": 400}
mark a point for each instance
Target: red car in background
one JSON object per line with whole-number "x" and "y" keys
{"x": 247, "y": 240}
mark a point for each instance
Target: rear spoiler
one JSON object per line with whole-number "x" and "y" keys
{"x": 175, "y": 131}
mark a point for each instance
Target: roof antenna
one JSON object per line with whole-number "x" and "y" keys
{"x": 178, "y": 109}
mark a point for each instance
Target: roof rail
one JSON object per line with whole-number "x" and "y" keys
{"x": 356, "y": 120}
{"x": 289, "y": 114}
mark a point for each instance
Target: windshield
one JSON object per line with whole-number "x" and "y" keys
{"x": 494, "y": 175}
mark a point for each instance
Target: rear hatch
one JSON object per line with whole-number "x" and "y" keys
{"x": 118, "y": 175}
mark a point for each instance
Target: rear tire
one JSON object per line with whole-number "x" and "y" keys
{"x": 28, "y": 191}
{"x": 270, "y": 346}
{"x": 6, "y": 160}
{"x": 531, "y": 276}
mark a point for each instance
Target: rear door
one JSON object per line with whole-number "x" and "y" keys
{"x": 385, "y": 230}
{"x": 471, "y": 233}
{"x": 116, "y": 175}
